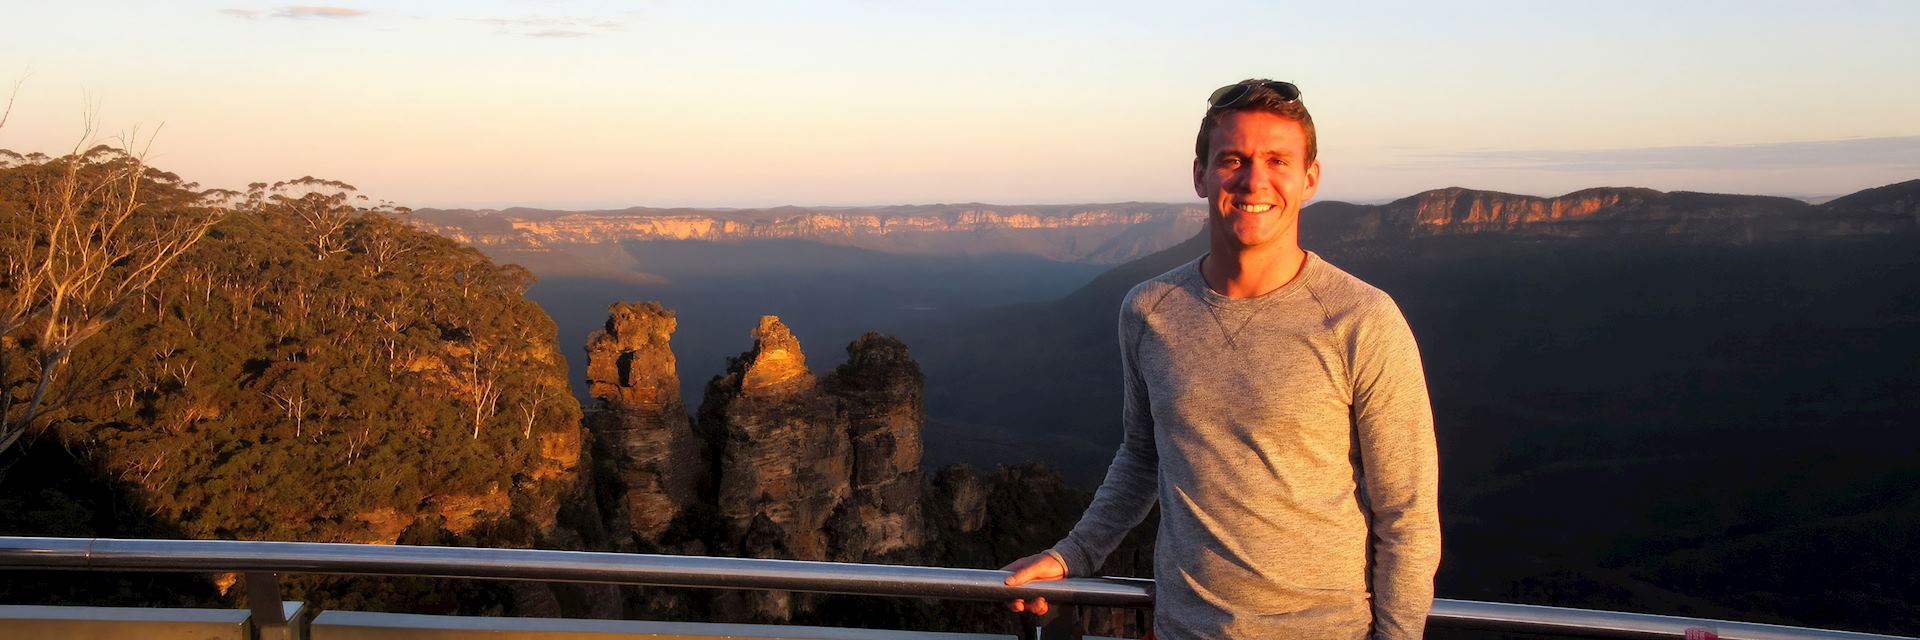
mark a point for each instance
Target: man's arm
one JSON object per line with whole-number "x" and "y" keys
{"x": 1124, "y": 498}
{"x": 1133, "y": 479}
{"x": 1393, "y": 422}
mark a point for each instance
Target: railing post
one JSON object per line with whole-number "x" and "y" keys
{"x": 1062, "y": 623}
{"x": 1026, "y": 626}
{"x": 263, "y": 604}
{"x": 1065, "y": 624}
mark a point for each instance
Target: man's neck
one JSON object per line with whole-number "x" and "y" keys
{"x": 1252, "y": 272}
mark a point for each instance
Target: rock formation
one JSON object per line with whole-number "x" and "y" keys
{"x": 778, "y": 464}
{"x": 781, "y": 450}
{"x": 640, "y": 421}
{"x": 960, "y": 498}
{"x": 879, "y": 390}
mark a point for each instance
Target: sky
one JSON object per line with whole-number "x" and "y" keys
{"x": 725, "y": 103}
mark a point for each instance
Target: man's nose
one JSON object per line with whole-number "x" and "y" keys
{"x": 1259, "y": 173}
{"x": 1243, "y": 180}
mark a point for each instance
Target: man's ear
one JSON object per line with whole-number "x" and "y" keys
{"x": 1199, "y": 167}
{"x": 1313, "y": 179}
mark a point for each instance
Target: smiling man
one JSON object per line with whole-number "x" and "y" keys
{"x": 1275, "y": 407}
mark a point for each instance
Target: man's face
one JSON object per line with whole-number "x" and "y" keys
{"x": 1256, "y": 180}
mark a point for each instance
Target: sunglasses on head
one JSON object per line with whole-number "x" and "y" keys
{"x": 1232, "y": 94}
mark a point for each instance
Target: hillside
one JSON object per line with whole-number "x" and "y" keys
{"x": 309, "y": 370}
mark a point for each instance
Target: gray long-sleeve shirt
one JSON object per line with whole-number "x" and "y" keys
{"x": 1289, "y": 442}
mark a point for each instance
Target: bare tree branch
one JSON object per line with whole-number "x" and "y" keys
{"x": 87, "y": 245}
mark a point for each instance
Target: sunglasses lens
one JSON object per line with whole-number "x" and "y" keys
{"x": 1286, "y": 90}
{"x": 1227, "y": 95}
{"x": 1231, "y": 94}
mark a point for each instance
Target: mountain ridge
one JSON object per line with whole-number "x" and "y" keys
{"x": 1114, "y": 233}
{"x": 1106, "y": 233}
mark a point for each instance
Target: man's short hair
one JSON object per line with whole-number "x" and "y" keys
{"x": 1260, "y": 96}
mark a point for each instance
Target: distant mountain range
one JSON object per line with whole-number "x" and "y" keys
{"x": 1617, "y": 211}
{"x": 1096, "y": 233}
{"x": 576, "y": 241}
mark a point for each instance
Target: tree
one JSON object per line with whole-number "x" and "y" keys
{"x": 85, "y": 235}
{"x": 323, "y": 207}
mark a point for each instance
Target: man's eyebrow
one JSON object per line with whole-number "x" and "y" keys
{"x": 1284, "y": 154}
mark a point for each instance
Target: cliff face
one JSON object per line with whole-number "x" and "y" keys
{"x": 1095, "y": 233}
{"x": 1605, "y": 212}
{"x": 640, "y": 420}
{"x": 1458, "y": 210}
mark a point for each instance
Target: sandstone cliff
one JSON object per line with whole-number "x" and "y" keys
{"x": 640, "y": 422}
{"x": 782, "y": 451}
{"x": 879, "y": 392}
{"x": 1107, "y": 233}
{"x": 815, "y": 470}
{"x": 1609, "y": 211}
{"x": 778, "y": 463}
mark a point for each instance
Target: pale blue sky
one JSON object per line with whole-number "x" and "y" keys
{"x": 730, "y": 103}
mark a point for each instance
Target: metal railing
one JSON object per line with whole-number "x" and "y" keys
{"x": 257, "y": 562}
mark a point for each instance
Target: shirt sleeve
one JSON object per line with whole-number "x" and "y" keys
{"x": 1132, "y": 485}
{"x": 1393, "y": 422}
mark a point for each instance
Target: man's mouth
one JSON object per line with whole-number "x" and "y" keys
{"x": 1254, "y": 208}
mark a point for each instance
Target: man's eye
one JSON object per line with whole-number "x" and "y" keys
{"x": 1229, "y": 162}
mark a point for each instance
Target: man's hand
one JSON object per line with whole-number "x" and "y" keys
{"x": 1039, "y": 566}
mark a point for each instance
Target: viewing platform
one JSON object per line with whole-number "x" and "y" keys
{"x": 268, "y": 617}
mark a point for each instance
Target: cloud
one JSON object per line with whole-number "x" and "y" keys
{"x": 1889, "y": 152}
{"x": 551, "y": 26}
{"x": 241, "y": 13}
{"x": 300, "y": 11}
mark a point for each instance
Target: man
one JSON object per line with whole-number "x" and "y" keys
{"x": 1276, "y": 409}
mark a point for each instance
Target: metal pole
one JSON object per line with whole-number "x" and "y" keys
{"x": 560, "y": 566}
{"x": 263, "y": 603}
{"x": 265, "y": 558}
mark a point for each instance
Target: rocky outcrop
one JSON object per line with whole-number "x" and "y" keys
{"x": 959, "y": 499}
{"x": 782, "y": 451}
{"x": 640, "y": 422}
{"x": 777, "y": 464}
{"x": 879, "y": 391}
{"x": 815, "y": 470}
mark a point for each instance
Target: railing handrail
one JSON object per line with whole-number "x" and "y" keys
{"x": 110, "y": 554}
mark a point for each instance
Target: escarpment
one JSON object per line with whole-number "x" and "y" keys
{"x": 1712, "y": 218}
{"x": 1099, "y": 233}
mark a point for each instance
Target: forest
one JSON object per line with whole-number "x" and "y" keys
{"x": 292, "y": 362}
